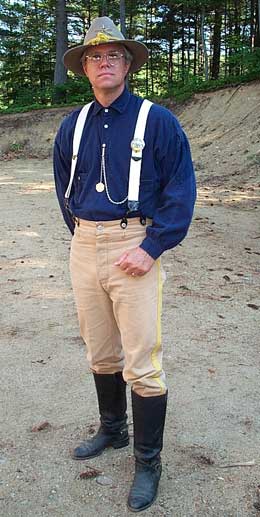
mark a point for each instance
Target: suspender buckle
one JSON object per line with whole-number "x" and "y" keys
{"x": 133, "y": 206}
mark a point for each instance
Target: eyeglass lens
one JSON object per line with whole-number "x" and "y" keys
{"x": 111, "y": 57}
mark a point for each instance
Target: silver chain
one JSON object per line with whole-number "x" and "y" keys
{"x": 103, "y": 175}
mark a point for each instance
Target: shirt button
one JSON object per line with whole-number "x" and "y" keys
{"x": 105, "y": 126}
{"x": 106, "y": 110}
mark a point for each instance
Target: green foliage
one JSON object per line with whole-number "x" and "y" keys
{"x": 73, "y": 92}
{"x": 246, "y": 60}
{"x": 20, "y": 109}
{"x": 172, "y": 30}
{"x": 181, "y": 93}
{"x": 16, "y": 147}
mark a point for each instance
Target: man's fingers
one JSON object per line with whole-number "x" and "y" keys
{"x": 121, "y": 259}
{"x": 135, "y": 262}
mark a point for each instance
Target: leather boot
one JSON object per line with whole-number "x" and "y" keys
{"x": 113, "y": 430}
{"x": 148, "y": 417}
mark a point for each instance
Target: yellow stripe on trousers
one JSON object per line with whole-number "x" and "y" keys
{"x": 154, "y": 356}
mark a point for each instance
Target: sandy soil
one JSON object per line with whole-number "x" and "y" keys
{"x": 210, "y": 334}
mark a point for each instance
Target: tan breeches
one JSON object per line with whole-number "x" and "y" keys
{"x": 119, "y": 315}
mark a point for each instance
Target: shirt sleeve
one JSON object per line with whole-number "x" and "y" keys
{"x": 61, "y": 166}
{"x": 178, "y": 192}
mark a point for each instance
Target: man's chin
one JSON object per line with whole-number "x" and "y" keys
{"x": 107, "y": 83}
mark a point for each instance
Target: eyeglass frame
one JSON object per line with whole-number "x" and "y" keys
{"x": 97, "y": 59}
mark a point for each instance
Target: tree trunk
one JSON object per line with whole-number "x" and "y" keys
{"x": 170, "y": 62}
{"x": 257, "y": 32}
{"x": 189, "y": 45}
{"x": 151, "y": 50}
{"x": 88, "y": 17}
{"x": 130, "y": 18}
{"x": 258, "y": 5}
{"x": 216, "y": 40}
{"x": 205, "y": 54}
{"x": 147, "y": 64}
{"x": 230, "y": 49}
{"x": 122, "y": 17}
{"x": 195, "y": 43}
{"x": 237, "y": 18}
{"x": 237, "y": 32}
{"x": 60, "y": 73}
{"x": 225, "y": 39}
{"x": 102, "y": 8}
{"x": 182, "y": 46}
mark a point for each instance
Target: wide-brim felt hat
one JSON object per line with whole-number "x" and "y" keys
{"x": 103, "y": 30}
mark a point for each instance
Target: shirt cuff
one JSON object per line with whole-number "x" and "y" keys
{"x": 152, "y": 247}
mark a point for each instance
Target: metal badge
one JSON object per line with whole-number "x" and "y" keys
{"x": 137, "y": 145}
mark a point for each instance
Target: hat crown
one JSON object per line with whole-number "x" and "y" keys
{"x": 102, "y": 30}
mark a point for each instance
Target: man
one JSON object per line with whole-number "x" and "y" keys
{"x": 122, "y": 220}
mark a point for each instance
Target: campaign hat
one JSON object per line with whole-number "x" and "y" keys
{"x": 102, "y": 31}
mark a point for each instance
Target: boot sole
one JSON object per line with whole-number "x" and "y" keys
{"x": 116, "y": 445}
{"x": 136, "y": 510}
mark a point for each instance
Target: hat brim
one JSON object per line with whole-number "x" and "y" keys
{"x": 72, "y": 58}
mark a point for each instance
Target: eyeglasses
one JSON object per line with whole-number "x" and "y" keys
{"x": 112, "y": 58}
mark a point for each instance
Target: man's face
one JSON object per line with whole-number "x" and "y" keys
{"x": 108, "y": 69}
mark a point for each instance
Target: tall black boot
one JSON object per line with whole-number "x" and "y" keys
{"x": 149, "y": 417}
{"x": 113, "y": 430}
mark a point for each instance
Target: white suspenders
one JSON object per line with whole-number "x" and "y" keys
{"x": 76, "y": 143}
{"x": 137, "y": 146}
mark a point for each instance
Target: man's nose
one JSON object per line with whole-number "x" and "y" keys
{"x": 106, "y": 61}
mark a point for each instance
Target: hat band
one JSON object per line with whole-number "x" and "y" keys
{"x": 102, "y": 38}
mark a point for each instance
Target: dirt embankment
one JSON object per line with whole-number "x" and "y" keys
{"x": 223, "y": 127}
{"x": 210, "y": 332}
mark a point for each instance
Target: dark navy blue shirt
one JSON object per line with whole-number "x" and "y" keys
{"x": 167, "y": 187}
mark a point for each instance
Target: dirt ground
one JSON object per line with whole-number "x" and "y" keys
{"x": 210, "y": 332}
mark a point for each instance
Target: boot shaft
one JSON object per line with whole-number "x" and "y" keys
{"x": 111, "y": 394}
{"x": 149, "y": 418}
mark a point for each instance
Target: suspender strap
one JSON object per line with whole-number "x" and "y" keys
{"x": 76, "y": 143}
{"x": 137, "y": 145}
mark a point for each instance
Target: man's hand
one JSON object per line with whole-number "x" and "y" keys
{"x": 135, "y": 262}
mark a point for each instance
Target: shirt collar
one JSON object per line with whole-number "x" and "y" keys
{"x": 119, "y": 104}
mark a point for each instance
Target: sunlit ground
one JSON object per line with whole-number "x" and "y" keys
{"x": 249, "y": 194}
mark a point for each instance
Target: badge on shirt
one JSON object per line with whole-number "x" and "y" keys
{"x": 137, "y": 146}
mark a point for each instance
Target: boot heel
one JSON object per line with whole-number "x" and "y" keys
{"x": 119, "y": 444}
